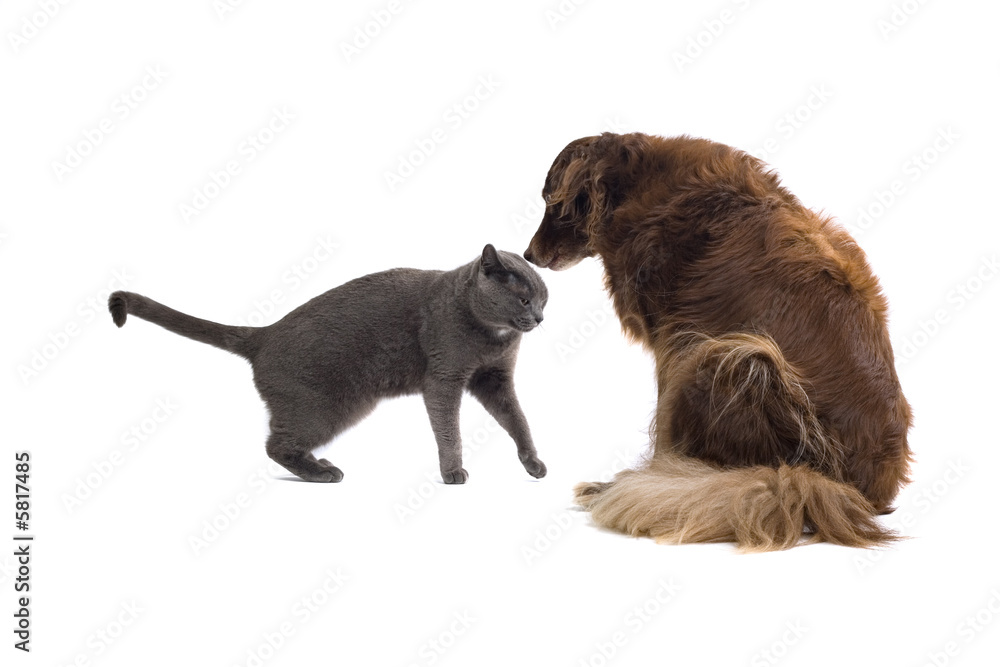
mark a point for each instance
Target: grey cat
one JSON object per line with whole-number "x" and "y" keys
{"x": 323, "y": 367}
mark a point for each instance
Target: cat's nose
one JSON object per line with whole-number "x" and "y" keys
{"x": 538, "y": 318}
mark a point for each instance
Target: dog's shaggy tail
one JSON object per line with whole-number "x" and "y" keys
{"x": 740, "y": 456}
{"x": 237, "y": 340}
{"x": 677, "y": 499}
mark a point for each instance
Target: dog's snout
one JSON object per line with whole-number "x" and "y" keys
{"x": 528, "y": 255}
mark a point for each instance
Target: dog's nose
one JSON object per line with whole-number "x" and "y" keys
{"x": 528, "y": 256}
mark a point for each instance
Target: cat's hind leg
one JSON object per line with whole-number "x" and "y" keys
{"x": 294, "y": 453}
{"x": 301, "y": 421}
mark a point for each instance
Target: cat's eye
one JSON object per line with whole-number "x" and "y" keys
{"x": 525, "y": 302}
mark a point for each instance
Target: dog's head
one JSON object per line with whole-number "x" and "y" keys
{"x": 581, "y": 191}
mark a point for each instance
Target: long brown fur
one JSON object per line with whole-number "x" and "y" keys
{"x": 780, "y": 415}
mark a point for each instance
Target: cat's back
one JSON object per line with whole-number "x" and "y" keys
{"x": 367, "y": 304}
{"x": 360, "y": 337}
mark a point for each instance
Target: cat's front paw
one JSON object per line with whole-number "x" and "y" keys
{"x": 457, "y": 476}
{"x": 535, "y": 467}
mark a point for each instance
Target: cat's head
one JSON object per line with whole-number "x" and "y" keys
{"x": 509, "y": 294}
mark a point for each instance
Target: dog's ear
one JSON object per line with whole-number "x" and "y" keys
{"x": 577, "y": 183}
{"x": 586, "y": 180}
{"x": 614, "y": 159}
{"x": 626, "y": 150}
{"x": 574, "y": 189}
{"x": 619, "y": 155}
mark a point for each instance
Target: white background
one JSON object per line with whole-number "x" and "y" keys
{"x": 390, "y": 560}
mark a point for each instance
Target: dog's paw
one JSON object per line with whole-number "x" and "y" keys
{"x": 457, "y": 476}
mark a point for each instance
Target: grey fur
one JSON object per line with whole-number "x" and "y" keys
{"x": 323, "y": 367}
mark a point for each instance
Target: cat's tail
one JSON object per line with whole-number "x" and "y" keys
{"x": 237, "y": 340}
{"x": 678, "y": 499}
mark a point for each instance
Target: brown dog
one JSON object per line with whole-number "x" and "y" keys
{"x": 779, "y": 410}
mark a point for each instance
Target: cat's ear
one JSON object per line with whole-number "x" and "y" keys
{"x": 492, "y": 264}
